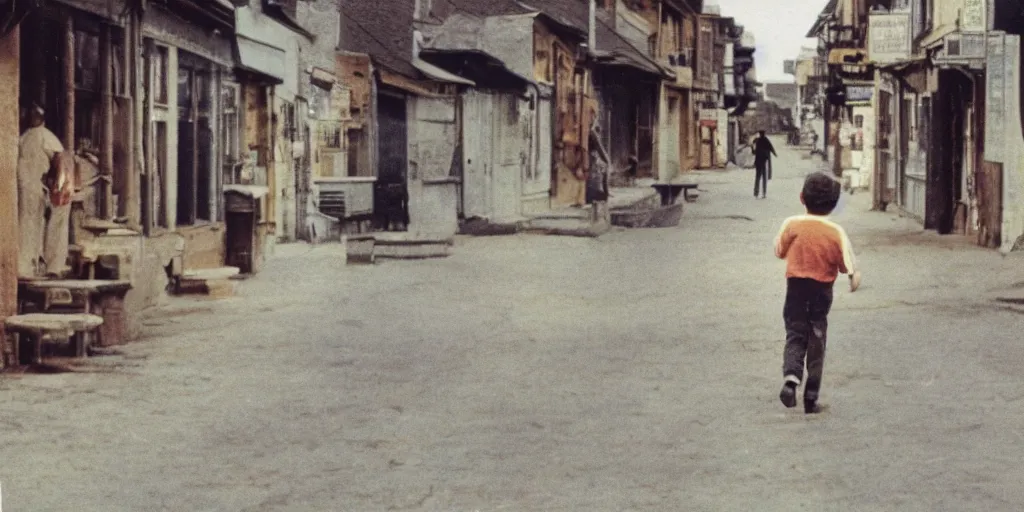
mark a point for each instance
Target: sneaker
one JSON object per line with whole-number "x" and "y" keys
{"x": 788, "y": 394}
{"x": 811, "y": 407}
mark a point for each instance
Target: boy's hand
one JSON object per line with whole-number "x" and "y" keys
{"x": 855, "y": 280}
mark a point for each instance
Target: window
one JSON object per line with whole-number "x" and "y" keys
{"x": 195, "y": 141}
{"x": 231, "y": 150}
{"x": 229, "y": 114}
{"x": 87, "y": 88}
{"x": 160, "y": 173}
{"x": 288, "y": 122}
{"x": 924, "y": 123}
{"x": 159, "y": 64}
{"x": 320, "y": 103}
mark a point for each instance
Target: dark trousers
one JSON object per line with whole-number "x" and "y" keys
{"x": 806, "y": 316}
{"x": 761, "y": 177}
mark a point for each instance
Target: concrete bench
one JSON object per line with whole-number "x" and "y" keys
{"x": 42, "y": 328}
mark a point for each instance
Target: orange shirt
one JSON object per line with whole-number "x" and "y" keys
{"x": 814, "y": 247}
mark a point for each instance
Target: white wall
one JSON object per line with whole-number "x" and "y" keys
{"x": 251, "y": 23}
{"x": 722, "y": 137}
{"x": 1013, "y": 161}
{"x": 670, "y": 122}
{"x": 433, "y": 194}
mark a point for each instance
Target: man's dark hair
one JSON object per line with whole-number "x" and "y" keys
{"x": 760, "y": 132}
{"x": 821, "y": 193}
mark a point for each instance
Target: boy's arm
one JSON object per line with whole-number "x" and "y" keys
{"x": 783, "y": 240}
{"x": 849, "y": 265}
{"x": 770, "y": 146}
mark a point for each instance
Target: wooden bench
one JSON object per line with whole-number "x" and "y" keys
{"x": 669, "y": 192}
{"x": 42, "y": 328}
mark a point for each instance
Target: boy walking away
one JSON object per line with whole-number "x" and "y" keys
{"x": 816, "y": 250}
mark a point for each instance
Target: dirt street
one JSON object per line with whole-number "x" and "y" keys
{"x": 637, "y": 371}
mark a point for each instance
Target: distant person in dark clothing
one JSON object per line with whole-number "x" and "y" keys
{"x": 763, "y": 152}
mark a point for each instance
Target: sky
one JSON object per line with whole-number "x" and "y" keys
{"x": 779, "y": 27}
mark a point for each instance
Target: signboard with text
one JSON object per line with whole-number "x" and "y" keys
{"x": 975, "y": 16}
{"x": 859, "y": 93}
{"x": 889, "y": 37}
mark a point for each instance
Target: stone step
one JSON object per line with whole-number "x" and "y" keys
{"x": 567, "y": 227}
{"x": 214, "y": 283}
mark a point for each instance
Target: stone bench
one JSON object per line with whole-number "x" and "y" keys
{"x": 81, "y": 296}
{"x": 42, "y": 328}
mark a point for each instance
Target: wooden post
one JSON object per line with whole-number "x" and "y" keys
{"x": 69, "y": 83}
{"x": 271, "y": 145}
{"x": 9, "y": 77}
{"x": 146, "y": 157}
{"x": 132, "y": 71}
{"x": 108, "y": 208}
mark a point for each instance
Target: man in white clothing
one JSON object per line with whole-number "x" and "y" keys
{"x": 36, "y": 150}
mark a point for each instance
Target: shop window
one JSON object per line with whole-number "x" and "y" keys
{"x": 195, "y": 145}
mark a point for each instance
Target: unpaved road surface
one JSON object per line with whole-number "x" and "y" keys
{"x": 637, "y": 371}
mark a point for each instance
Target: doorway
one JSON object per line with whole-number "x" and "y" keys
{"x": 391, "y": 193}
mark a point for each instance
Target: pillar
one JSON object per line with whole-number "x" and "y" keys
{"x": 9, "y": 122}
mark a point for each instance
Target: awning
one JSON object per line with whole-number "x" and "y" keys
{"x": 435, "y": 73}
{"x": 484, "y": 69}
{"x": 261, "y": 58}
{"x": 902, "y": 65}
{"x": 253, "y": 191}
{"x": 935, "y": 37}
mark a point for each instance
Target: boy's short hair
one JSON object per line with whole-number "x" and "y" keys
{"x": 820, "y": 193}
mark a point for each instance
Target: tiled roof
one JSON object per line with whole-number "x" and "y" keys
{"x": 383, "y": 34}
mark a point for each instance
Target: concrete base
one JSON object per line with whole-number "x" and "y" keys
{"x": 660, "y": 217}
{"x": 485, "y": 227}
{"x": 359, "y": 248}
{"x": 410, "y": 246}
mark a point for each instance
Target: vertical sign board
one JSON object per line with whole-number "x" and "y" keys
{"x": 975, "y": 17}
{"x": 994, "y": 102}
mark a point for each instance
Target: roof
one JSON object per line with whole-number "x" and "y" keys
{"x": 573, "y": 15}
{"x": 610, "y": 45}
{"x": 826, "y": 12}
{"x": 387, "y": 39}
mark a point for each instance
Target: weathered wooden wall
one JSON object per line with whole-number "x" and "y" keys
{"x": 355, "y": 72}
